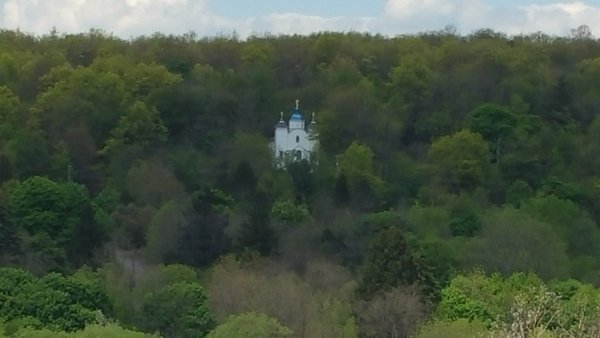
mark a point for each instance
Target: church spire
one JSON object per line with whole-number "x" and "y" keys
{"x": 281, "y": 123}
{"x": 296, "y": 119}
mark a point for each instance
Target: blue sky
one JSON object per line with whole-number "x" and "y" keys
{"x": 128, "y": 18}
{"x": 240, "y": 9}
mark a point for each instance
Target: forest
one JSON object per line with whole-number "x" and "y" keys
{"x": 456, "y": 192}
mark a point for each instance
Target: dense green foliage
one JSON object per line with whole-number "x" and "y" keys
{"x": 53, "y": 301}
{"x": 177, "y": 310}
{"x": 92, "y": 331}
{"x": 250, "y": 325}
{"x": 148, "y": 161}
{"x": 520, "y": 305}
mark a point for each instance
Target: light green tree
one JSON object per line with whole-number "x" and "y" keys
{"x": 90, "y": 331}
{"x": 76, "y": 95}
{"x": 459, "y": 161}
{"x": 461, "y": 328}
{"x": 250, "y": 325}
{"x": 480, "y": 297}
{"x": 289, "y": 213}
{"x": 52, "y": 301}
{"x": 357, "y": 167}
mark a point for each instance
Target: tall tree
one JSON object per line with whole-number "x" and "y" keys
{"x": 494, "y": 123}
{"x": 177, "y": 310}
{"x": 57, "y": 217}
{"x": 357, "y": 167}
{"x": 389, "y": 263}
{"x": 459, "y": 161}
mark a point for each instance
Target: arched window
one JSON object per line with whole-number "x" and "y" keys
{"x": 297, "y": 138}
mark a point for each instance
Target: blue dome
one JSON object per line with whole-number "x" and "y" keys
{"x": 296, "y": 115}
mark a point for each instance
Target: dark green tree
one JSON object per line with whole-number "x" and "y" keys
{"x": 58, "y": 217}
{"x": 494, "y": 123}
{"x": 177, "y": 310}
{"x": 389, "y": 262}
{"x": 141, "y": 127}
{"x": 203, "y": 238}
{"x": 302, "y": 179}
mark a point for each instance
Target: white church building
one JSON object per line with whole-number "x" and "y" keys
{"x": 294, "y": 141}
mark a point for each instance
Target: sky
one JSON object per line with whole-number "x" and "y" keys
{"x": 131, "y": 18}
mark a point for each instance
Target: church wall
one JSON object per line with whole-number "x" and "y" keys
{"x": 281, "y": 140}
{"x": 289, "y": 141}
{"x": 296, "y": 124}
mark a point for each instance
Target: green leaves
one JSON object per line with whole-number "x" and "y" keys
{"x": 512, "y": 241}
{"x": 412, "y": 79}
{"x": 494, "y": 123}
{"x": 480, "y": 297}
{"x": 250, "y": 325}
{"x": 289, "y": 213}
{"x": 356, "y": 161}
{"x": 9, "y": 103}
{"x": 520, "y": 305}
{"x": 460, "y": 161}
{"x": 90, "y": 331}
{"x": 356, "y": 166}
{"x": 41, "y": 205}
{"x": 389, "y": 262}
{"x": 141, "y": 127}
{"x": 57, "y": 219}
{"x": 177, "y": 310}
{"x": 54, "y": 301}
{"x": 82, "y": 95}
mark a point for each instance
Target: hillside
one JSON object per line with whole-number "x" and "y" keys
{"x": 136, "y": 181}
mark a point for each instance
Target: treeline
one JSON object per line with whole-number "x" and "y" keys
{"x": 138, "y": 172}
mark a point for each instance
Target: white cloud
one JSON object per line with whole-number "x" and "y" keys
{"x": 470, "y": 15}
{"x": 128, "y": 18}
{"x": 294, "y": 23}
{"x": 136, "y": 17}
{"x": 558, "y": 18}
{"x": 123, "y": 17}
{"x": 410, "y": 8}
{"x": 40, "y": 16}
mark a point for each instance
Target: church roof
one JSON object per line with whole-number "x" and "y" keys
{"x": 296, "y": 115}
